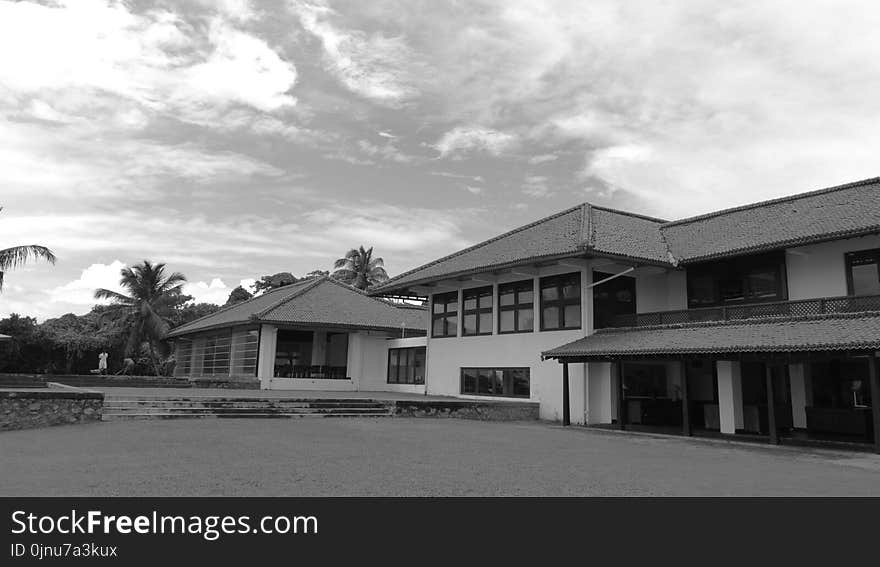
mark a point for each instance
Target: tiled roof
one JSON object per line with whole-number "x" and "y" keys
{"x": 841, "y": 332}
{"x": 319, "y": 301}
{"x": 579, "y": 231}
{"x": 836, "y": 212}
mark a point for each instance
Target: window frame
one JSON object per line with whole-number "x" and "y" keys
{"x": 447, "y": 299}
{"x": 561, "y": 302}
{"x": 464, "y": 369}
{"x": 849, "y": 257}
{"x": 517, "y": 287}
{"x": 411, "y": 358}
{"x": 720, "y": 272}
{"x": 477, "y": 293}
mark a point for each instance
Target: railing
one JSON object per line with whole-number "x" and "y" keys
{"x": 315, "y": 372}
{"x": 798, "y": 308}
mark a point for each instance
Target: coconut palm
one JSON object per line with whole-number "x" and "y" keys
{"x": 12, "y": 258}
{"x": 360, "y": 269}
{"x": 146, "y": 311}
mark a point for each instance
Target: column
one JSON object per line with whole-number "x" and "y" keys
{"x": 566, "y": 408}
{"x": 319, "y": 348}
{"x": 266, "y": 356}
{"x": 874, "y": 372}
{"x": 771, "y": 407}
{"x": 799, "y": 403}
{"x": 354, "y": 363}
{"x": 600, "y": 392}
{"x": 685, "y": 400}
{"x": 617, "y": 379}
{"x": 729, "y": 396}
{"x": 495, "y": 300}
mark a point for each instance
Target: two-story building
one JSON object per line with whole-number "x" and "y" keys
{"x": 762, "y": 319}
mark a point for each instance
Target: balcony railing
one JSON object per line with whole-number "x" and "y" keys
{"x": 315, "y": 372}
{"x": 798, "y": 308}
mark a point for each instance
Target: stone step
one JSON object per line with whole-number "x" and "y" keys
{"x": 254, "y": 410}
{"x": 108, "y": 416}
{"x": 241, "y": 403}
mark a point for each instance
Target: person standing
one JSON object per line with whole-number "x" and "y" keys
{"x": 102, "y": 362}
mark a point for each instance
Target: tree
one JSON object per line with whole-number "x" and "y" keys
{"x": 189, "y": 312}
{"x": 360, "y": 269}
{"x": 238, "y": 295}
{"x": 146, "y": 312}
{"x": 315, "y": 274}
{"x": 11, "y": 258}
{"x": 268, "y": 283}
{"x": 22, "y": 353}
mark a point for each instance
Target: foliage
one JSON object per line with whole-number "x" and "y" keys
{"x": 146, "y": 313}
{"x": 316, "y": 274}
{"x": 268, "y": 283}
{"x": 238, "y": 295}
{"x": 360, "y": 269}
{"x": 11, "y": 258}
{"x": 190, "y": 311}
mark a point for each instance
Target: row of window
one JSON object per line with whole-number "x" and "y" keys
{"x": 560, "y": 307}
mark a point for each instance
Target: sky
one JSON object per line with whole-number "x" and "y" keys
{"x": 232, "y": 139}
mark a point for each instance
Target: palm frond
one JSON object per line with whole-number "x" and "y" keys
{"x": 114, "y": 296}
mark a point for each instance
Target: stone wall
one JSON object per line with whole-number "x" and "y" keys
{"x": 486, "y": 411}
{"x": 23, "y": 409}
{"x": 228, "y": 383}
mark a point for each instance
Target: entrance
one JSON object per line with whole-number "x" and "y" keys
{"x": 754, "y": 398}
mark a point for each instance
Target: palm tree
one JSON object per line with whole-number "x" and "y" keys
{"x": 146, "y": 310}
{"x": 360, "y": 269}
{"x": 11, "y": 258}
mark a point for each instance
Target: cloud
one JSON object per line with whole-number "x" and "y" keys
{"x": 536, "y": 186}
{"x": 215, "y": 292}
{"x": 464, "y": 139}
{"x": 372, "y": 66}
{"x": 543, "y": 158}
{"x": 81, "y": 291}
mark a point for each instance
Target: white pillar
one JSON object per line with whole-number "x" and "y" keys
{"x": 495, "y": 300}
{"x": 266, "y": 357}
{"x": 730, "y": 411}
{"x": 798, "y": 395}
{"x": 600, "y": 392}
{"x": 355, "y": 362}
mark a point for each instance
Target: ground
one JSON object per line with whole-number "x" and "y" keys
{"x": 407, "y": 457}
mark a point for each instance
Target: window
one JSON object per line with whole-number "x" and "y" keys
{"x": 612, "y": 299}
{"x": 406, "y": 365}
{"x": 561, "y": 302}
{"x": 477, "y": 313}
{"x": 748, "y": 279}
{"x": 229, "y": 353}
{"x": 863, "y": 272}
{"x": 516, "y": 307}
{"x": 506, "y": 382}
{"x": 444, "y": 315}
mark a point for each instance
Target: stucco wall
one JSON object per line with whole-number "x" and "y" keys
{"x": 819, "y": 270}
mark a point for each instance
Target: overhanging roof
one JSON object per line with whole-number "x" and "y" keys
{"x": 822, "y": 333}
{"x": 315, "y": 302}
{"x": 587, "y": 230}
{"x": 584, "y": 230}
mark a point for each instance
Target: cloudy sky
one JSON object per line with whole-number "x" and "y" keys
{"x": 232, "y": 139}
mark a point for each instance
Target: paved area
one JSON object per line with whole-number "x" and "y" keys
{"x": 407, "y": 457}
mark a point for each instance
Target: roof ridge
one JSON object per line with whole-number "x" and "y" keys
{"x": 361, "y": 291}
{"x": 313, "y": 282}
{"x": 630, "y": 214}
{"x": 480, "y": 244}
{"x": 769, "y": 202}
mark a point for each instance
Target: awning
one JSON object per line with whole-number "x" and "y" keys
{"x": 856, "y": 332}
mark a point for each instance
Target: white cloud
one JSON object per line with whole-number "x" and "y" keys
{"x": 536, "y": 186}
{"x": 81, "y": 291}
{"x": 215, "y": 292}
{"x": 373, "y": 66}
{"x": 464, "y": 139}
{"x": 543, "y": 158}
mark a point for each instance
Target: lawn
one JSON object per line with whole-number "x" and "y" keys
{"x": 406, "y": 457}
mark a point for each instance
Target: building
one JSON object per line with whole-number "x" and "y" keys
{"x": 757, "y": 320}
{"x": 317, "y": 334}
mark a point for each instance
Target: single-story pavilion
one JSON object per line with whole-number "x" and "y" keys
{"x": 317, "y": 334}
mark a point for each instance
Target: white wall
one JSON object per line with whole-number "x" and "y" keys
{"x": 819, "y": 270}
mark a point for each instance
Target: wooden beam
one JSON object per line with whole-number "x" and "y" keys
{"x": 525, "y": 271}
{"x": 572, "y": 263}
{"x": 566, "y": 410}
{"x": 479, "y": 278}
{"x": 685, "y": 401}
{"x": 771, "y": 407}
{"x": 874, "y": 372}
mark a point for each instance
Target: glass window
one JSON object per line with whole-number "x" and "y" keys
{"x": 747, "y": 279}
{"x": 516, "y": 307}
{"x": 863, "y": 272}
{"x": 444, "y": 315}
{"x": 503, "y": 382}
{"x": 613, "y": 300}
{"x": 477, "y": 311}
{"x": 406, "y": 365}
{"x": 561, "y": 302}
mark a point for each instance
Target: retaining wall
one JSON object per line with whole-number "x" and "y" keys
{"x": 25, "y": 409}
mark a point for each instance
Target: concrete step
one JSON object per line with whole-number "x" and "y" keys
{"x": 216, "y": 403}
{"x": 255, "y": 410}
{"x": 110, "y": 416}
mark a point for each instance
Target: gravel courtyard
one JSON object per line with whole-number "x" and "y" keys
{"x": 406, "y": 457}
